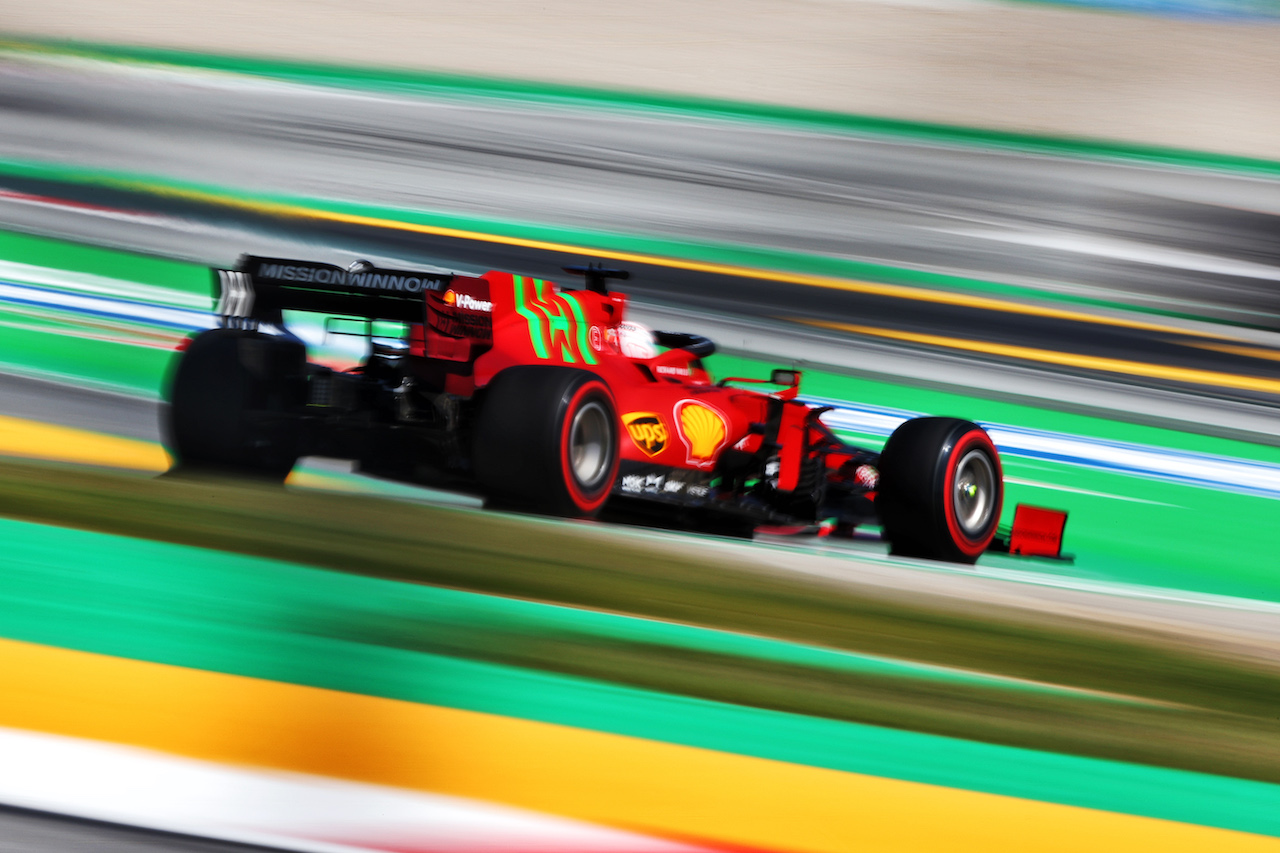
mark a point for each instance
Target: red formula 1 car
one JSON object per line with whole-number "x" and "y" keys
{"x": 532, "y": 396}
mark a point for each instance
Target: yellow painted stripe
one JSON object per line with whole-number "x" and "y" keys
{"x": 1248, "y": 352}
{"x": 1088, "y": 362}
{"x": 653, "y": 787}
{"x": 19, "y": 437}
{"x": 38, "y": 440}
{"x": 918, "y": 294}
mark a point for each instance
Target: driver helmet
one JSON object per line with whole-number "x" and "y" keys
{"x": 636, "y": 341}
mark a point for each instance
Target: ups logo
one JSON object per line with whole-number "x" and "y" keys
{"x": 647, "y": 431}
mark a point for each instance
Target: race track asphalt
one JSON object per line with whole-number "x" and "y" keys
{"x": 1184, "y": 240}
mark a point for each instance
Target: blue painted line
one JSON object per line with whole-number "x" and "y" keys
{"x": 47, "y": 298}
{"x": 1203, "y": 470}
{"x": 1260, "y": 11}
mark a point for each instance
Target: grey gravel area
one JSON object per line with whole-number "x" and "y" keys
{"x": 84, "y": 408}
{"x": 1193, "y": 241}
{"x": 23, "y": 831}
{"x": 1010, "y": 588}
{"x": 1015, "y": 66}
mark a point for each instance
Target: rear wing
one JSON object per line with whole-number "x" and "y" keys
{"x": 259, "y": 289}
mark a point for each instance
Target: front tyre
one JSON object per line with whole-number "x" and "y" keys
{"x": 547, "y": 441}
{"x": 941, "y": 490}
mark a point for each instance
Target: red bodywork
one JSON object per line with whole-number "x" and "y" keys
{"x": 672, "y": 413}
{"x": 456, "y": 405}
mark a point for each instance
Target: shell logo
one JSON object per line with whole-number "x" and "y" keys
{"x": 450, "y": 297}
{"x": 703, "y": 431}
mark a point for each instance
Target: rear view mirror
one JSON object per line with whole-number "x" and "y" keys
{"x": 790, "y": 378}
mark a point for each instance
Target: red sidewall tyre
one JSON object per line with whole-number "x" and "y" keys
{"x": 587, "y": 498}
{"x": 963, "y": 541}
{"x": 523, "y": 453}
{"x": 919, "y": 494}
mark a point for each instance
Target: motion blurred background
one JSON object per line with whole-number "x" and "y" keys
{"x": 1196, "y": 74}
{"x": 1059, "y": 220}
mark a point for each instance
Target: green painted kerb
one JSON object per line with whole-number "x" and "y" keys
{"x": 264, "y": 619}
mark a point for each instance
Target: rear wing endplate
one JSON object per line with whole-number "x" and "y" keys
{"x": 259, "y": 289}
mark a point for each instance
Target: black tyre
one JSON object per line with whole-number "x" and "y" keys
{"x": 547, "y": 441}
{"x": 941, "y": 490}
{"x": 234, "y": 402}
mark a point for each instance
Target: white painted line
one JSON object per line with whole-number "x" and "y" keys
{"x": 102, "y": 306}
{"x": 103, "y": 286}
{"x": 311, "y": 814}
{"x": 99, "y": 285}
{"x": 1186, "y": 467}
{"x": 1126, "y": 250}
{"x": 1057, "y": 488}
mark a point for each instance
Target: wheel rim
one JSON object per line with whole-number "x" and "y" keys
{"x": 590, "y": 447}
{"x": 973, "y": 495}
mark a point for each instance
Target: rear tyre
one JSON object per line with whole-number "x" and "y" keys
{"x": 547, "y": 441}
{"x": 941, "y": 490}
{"x": 234, "y": 403}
